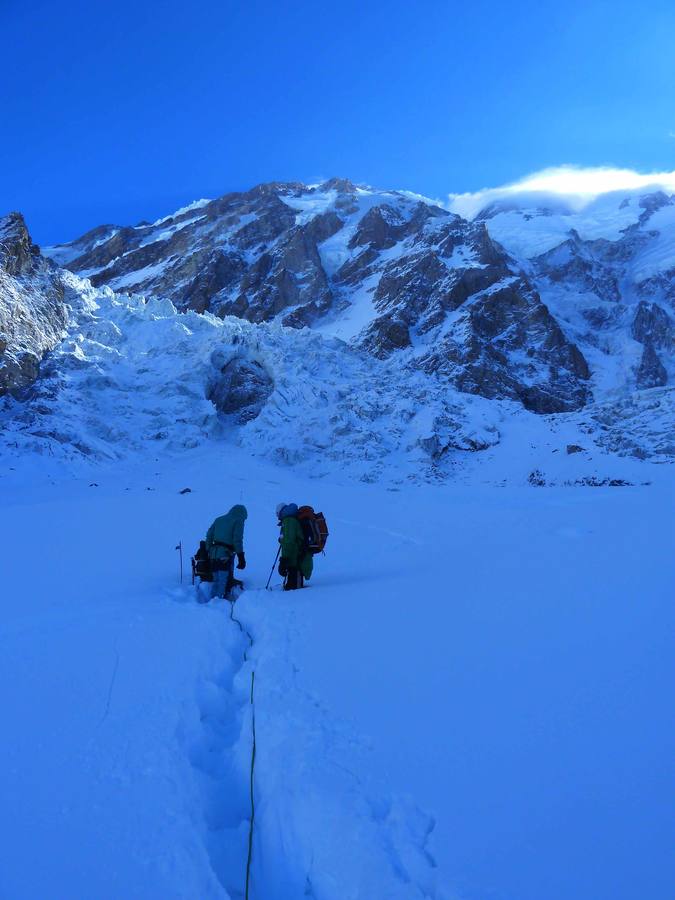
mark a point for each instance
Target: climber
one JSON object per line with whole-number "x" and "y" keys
{"x": 224, "y": 541}
{"x": 296, "y": 561}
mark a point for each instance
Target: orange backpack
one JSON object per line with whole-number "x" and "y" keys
{"x": 314, "y": 527}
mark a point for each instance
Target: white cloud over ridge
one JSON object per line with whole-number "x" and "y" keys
{"x": 573, "y": 187}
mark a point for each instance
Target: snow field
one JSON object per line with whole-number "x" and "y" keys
{"x": 504, "y": 650}
{"x": 507, "y": 649}
{"x": 128, "y": 772}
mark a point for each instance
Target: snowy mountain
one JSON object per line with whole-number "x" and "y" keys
{"x": 427, "y": 331}
{"x": 607, "y": 273}
{"x": 484, "y": 410}
{"x": 390, "y": 273}
{"x": 543, "y": 306}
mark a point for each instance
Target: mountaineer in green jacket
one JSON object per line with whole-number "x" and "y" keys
{"x": 296, "y": 562}
{"x": 224, "y": 541}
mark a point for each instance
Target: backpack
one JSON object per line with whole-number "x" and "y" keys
{"x": 201, "y": 564}
{"x": 314, "y": 528}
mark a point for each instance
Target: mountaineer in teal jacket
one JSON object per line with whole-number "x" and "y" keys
{"x": 224, "y": 541}
{"x": 296, "y": 562}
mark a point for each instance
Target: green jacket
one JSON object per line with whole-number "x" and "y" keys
{"x": 293, "y": 547}
{"x": 227, "y": 529}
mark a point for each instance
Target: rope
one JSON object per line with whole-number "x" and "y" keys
{"x": 249, "y": 857}
{"x": 110, "y": 688}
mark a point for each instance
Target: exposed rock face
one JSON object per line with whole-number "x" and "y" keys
{"x": 18, "y": 254}
{"x": 476, "y": 321}
{"x": 32, "y": 309}
{"x": 583, "y": 264}
{"x": 241, "y": 389}
{"x": 385, "y": 335}
{"x": 505, "y": 343}
{"x": 218, "y": 271}
{"x": 653, "y": 328}
{"x": 652, "y": 372}
{"x": 289, "y": 276}
{"x": 652, "y": 325}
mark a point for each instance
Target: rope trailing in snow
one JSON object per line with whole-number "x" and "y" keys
{"x": 249, "y": 857}
{"x": 110, "y": 688}
{"x": 250, "y": 830}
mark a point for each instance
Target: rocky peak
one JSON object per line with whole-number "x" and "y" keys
{"x": 652, "y": 325}
{"x": 651, "y": 371}
{"x": 341, "y": 185}
{"x": 653, "y": 328}
{"x": 18, "y": 254}
{"x": 379, "y": 228}
{"x": 32, "y": 308}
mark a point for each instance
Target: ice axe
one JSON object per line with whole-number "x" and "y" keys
{"x": 267, "y": 586}
{"x": 179, "y": 547}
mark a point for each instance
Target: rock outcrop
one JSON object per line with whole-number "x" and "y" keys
{"x": 653, "y": 328}
{"x": 32, "y": 310}
{"x": 240, "y": 389}
{"x": 652, "y": 372}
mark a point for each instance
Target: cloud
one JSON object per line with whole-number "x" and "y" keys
{"x": 573, "y": 186}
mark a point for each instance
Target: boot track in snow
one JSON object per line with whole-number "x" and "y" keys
{"x": 249, "y": 855}
{"x": 221, "y": 757}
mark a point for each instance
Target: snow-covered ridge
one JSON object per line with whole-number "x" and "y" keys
{"x": 196, "y": 204}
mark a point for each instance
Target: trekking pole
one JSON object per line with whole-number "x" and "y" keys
{"x": 267, "y": 586}
{"x": 179, "y": 547}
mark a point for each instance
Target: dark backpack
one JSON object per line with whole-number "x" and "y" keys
{"x": 314, "y": 528}
{"x": 201, "y": 564}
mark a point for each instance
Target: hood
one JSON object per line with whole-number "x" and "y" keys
{"x": 238, "y": 512}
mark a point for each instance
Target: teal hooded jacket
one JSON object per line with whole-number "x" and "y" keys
{"x": 227, "y": 529}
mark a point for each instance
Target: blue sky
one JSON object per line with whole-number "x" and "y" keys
{"x": 119, "y": 112}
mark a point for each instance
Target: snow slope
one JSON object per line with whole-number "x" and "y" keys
{"x": 129, "y": 707}
{"x": 505, "y": 650}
